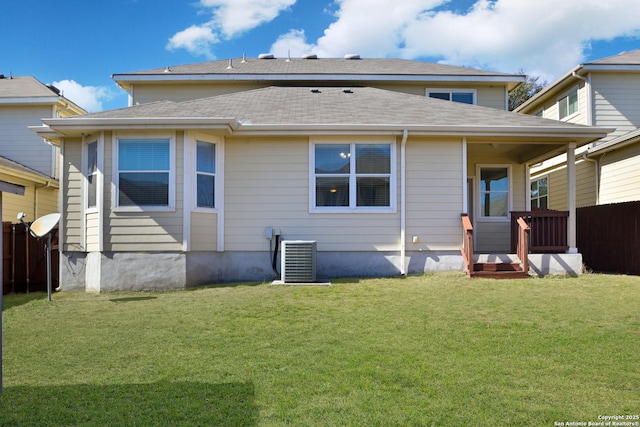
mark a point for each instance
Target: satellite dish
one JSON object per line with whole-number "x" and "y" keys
{"x": 41, "y": 228}
{"x": 43, "y": 225}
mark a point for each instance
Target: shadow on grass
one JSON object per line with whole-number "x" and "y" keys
{"x": 157, "y": 404}
{"x": 131, "y": 299}
{"x": 14, "y": 300}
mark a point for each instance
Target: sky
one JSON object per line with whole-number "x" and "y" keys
{"x": 77, "y": 45}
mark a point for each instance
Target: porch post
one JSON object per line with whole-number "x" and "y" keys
{"x": 571, "y": 198}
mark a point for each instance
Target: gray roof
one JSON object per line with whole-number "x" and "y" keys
{"x": 11, "y": 164}
{"x": 322, "y": 66}
{"x": 24, "y": 87}
{"x": 624, "y": 58}
{"x": 332, "y": 106}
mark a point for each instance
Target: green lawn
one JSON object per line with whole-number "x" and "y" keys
{"x": 440, "y": 350}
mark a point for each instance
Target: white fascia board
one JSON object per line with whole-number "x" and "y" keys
{"x": 86, "y": 124}
{"x": 611, "y": 67}
{"x": 50, "y": 100}
{"x": 127, "y": 78}
{"x": 619, "y": 142}
{"x": 586, "y": 134}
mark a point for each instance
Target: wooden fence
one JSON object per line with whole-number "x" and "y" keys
{"x": 24, "y": 260}
{"x": 608, "y": 236}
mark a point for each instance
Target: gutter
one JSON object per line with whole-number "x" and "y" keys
{"x": 597, "y": 174}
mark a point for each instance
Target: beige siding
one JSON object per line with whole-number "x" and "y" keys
{"x": 72, "y": 194}
{"x": 145, "y": 231}
{"x": 19, "y": 144}
{"x": 434, "y": 194}
{"x": 267, "y": 185}
{"x": 37, "y": 200}
{"x": 93, "y": 232}
{"x": 204, "y": 231}
{"x": 488, "y": 96}
{"x": 585, "y": 185}
{"x": 550, "y": 108}
{"x": 616, "y": 102}
{"x": 143, "y": 93}
{"x": 620, "y": 175}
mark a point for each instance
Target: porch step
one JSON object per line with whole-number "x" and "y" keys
{"x": 499, "y": 270}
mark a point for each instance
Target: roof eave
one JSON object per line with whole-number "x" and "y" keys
{"x": 76, "y": 126}
{"x": 127, "y": 79}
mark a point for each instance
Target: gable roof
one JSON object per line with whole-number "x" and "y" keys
{"x": 326, "y": 69}
{"x": 29, "y": 90}
{"x": 623, "y": 62}
{"x": 301, "y": 110}
{"x": 624, "y": 58}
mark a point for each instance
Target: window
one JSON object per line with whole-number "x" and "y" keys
{"x": 466, "y": 97}
{"x": 568, "y": 105}
{"x": 144, "y": 172}
{"x": 540, "y": 193}
{"x": 206, "y": 174}
{"x": 92, "y": 174}
{"x": 494, "y": 192}
{"x": 353, "y": 176}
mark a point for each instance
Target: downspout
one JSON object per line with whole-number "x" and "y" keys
{"x": 403, "y": 203}
{"x": 597, "y": 174}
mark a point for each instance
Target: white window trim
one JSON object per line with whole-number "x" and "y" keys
{"x": 537, "y": 178}
{"x": 566, "y": 95}
{"x": 473, "y": 92}
{"x": 191, "y": 193}
{"x": 171, "y": 207}
{"x": 86, "y": 140}
{"x": 352, "y": 208}
{"x": 479, "y": 216}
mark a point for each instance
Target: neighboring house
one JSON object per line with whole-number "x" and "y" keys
{"x": 189, "y": 184}
{"x": 603, "y": 93}
{"x": 24, "y": 158}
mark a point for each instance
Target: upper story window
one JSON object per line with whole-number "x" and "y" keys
{"x": 205, "y": 174}
{"x": 455, "y": 95}
{"x": 494, "y": 192}
{"x": 568, "y": 104}
{"x": 352, "y": 176}
{"x": 144, "y": 175}
{"x": 92, "y": 174}
{"x": 540, "y": 193}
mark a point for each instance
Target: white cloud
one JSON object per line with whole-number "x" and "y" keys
{"x": 88, "y": 97}
{"x": 543, "y": 37}
{"x": 195, "y": 39}
{"x": 229, "y": 18}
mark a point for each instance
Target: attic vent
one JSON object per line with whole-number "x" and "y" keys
{"x": 310, "y": 56}
{"x": 298, "y": 261}
{"x": 352, "y": 56}
{"x": 54, "y": 89}
{"x": 266, "y": 56}
{"x": 315, "y": 90}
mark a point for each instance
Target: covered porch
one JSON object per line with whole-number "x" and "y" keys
{"x": 503, "y": 236}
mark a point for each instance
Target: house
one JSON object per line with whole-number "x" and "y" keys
{"x": 603, "y": 93}
{"x": 375, "y": 160}
{"x": 24, "y": 158}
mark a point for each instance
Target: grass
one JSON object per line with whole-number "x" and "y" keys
{"x": 439, "y": 350}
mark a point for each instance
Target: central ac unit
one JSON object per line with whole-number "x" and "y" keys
{"x": 298, "y": 261}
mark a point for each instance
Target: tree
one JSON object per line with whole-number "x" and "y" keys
{"x": 524, "y": 91}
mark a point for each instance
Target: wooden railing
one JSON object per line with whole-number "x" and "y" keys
{"x": 467, "y": 244}
{"x": 548, "y": 230}
{"x": 523, "y": 244}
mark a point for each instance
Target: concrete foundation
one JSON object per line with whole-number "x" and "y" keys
{"x": 100, "y": 272}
